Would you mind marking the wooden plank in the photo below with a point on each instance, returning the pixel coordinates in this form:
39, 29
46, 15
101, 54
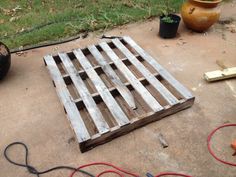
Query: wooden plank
71, 109
96, 96
167, 95
84, 50
220, 74
148, 98
123, 90
111, 103
97, 68
136, 123
165, 74
85, 95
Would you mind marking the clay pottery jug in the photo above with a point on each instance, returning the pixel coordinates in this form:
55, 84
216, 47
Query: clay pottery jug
5, 60
199, 15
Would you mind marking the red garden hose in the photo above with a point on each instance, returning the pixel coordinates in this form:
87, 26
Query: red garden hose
209, 146
107, 171
161, 174
170, 173
110, 171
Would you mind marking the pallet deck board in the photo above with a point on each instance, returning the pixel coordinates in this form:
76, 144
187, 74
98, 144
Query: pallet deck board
89, 102
111, 103
146, 73
73, 114
150, 100
165, 74
112, 79
124, 91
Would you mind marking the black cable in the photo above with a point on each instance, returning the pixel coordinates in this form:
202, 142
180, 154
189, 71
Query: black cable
110, 37
83, 35
32, 169
45, 45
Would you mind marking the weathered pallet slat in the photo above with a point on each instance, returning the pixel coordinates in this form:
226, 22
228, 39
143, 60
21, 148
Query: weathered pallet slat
146, 73
73, 114
106, 92
97, 68
89, 102
111, 103
96, 96
124, 91
165, 74
150, 100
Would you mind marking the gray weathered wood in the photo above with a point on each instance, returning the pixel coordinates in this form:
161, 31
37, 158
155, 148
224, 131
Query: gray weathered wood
96, 96
148, 98
136, 123
123, 90
85, 95
167, 95
87, 137
98, 69
111, 103
71, 109
165, 74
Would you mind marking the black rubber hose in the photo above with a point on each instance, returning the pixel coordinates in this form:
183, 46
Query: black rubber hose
45, 45
32, 169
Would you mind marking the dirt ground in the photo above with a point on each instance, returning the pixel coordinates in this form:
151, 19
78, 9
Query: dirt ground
30, 110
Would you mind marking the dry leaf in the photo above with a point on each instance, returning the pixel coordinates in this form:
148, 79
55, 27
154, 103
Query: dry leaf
12, 19
2, 21
11, 12
17, 8
51, 10
231, 28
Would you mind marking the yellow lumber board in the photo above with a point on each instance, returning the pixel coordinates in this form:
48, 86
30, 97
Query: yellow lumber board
220, 74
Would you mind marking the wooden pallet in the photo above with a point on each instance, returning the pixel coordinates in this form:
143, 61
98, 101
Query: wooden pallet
112, 88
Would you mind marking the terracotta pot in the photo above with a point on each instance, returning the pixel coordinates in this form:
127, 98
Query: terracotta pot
200, 15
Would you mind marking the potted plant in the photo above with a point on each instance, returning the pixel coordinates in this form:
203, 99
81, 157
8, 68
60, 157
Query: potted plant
169, 22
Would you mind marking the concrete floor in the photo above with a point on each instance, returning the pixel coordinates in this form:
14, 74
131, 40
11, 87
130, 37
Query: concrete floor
30, 110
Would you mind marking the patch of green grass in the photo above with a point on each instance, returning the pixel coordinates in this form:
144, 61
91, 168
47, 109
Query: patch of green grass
27, 22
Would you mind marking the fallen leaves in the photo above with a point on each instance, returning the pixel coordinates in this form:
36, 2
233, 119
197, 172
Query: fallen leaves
13, 19
11, 12
20, 53
231, 28
2, 21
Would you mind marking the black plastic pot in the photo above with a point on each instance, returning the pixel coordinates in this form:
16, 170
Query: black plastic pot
5, 60
169, 30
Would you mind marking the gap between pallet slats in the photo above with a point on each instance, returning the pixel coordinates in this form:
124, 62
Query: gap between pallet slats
136, 123
98, 69
149, 99
89, 102
96, 96
123, 90
109, 100
71, 109
169, 78
146, 73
